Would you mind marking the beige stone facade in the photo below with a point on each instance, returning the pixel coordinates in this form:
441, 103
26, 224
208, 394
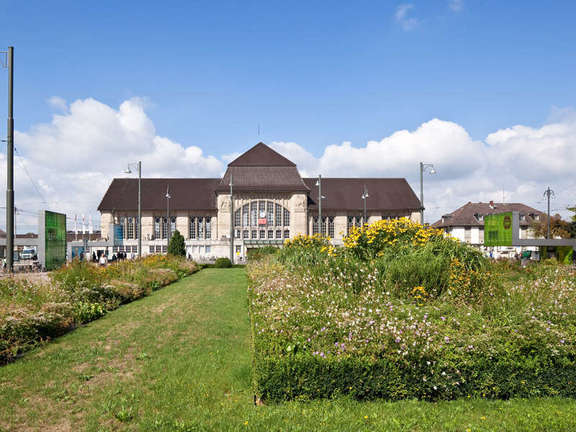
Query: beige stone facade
271, 203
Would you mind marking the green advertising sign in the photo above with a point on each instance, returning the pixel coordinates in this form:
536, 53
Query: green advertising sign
498, 229
55, 229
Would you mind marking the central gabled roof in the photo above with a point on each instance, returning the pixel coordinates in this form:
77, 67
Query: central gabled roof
262, 156
262, 169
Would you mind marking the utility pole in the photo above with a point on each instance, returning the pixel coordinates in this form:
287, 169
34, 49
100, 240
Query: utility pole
10, 166
320, 224
139, 209
365, 196
231, 222
548, 193
424, 167
168, 225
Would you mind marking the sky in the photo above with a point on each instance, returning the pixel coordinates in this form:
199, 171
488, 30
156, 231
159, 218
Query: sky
483, 89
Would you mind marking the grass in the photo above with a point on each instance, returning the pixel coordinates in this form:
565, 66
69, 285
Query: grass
179, 360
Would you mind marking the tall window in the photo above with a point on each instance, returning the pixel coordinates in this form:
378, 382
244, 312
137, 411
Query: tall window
270, 213
315, 225
237, 217
200, 227
192, 228
245, 215
172, 224
331, 226
157, 221
354, 221
278, 215
164, 227
286, 218
253, 213
208, 231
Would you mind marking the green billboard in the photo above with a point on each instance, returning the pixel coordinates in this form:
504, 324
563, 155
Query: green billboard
498, 229
55, 239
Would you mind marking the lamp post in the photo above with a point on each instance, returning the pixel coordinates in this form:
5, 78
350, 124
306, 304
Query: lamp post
10, 163
320, 198
231, 222
423, 168
365, 196
168, 224
139, 164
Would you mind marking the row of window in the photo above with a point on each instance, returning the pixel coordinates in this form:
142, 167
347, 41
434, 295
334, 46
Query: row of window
127, 248
262, 213
200, 227
161, 226
129, 226
326, 227
262, 234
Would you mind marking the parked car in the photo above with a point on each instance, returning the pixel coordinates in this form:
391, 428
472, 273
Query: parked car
28, 254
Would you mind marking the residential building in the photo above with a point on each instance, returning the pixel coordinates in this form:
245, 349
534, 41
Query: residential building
467, 224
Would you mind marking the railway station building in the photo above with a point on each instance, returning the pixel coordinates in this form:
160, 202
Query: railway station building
271, 202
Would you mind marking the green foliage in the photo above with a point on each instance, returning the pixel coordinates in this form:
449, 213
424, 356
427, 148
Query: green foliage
430, 319
177, 246
261, 252
196, 377
79, 292
223, 263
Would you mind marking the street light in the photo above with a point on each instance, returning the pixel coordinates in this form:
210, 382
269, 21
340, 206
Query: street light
320, 198
128, 171
423, 168
168, 224
364, 197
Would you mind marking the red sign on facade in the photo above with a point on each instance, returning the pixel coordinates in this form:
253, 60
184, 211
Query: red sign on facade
262, 221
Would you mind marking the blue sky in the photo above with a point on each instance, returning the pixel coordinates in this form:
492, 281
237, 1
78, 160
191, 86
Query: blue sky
312, 72
313, 75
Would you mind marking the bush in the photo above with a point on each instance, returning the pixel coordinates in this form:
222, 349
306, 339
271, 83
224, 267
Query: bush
79, 293
223, 263
420, 319
177, 245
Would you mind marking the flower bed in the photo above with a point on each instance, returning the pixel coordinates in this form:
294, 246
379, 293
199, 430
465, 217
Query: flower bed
78, 293
362, 322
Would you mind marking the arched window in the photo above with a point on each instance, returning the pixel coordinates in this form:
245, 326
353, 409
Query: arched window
261, 214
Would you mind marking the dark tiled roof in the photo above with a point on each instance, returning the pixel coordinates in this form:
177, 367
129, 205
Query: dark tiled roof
263, 178
384, 194
261, 155
466, 215
186, 194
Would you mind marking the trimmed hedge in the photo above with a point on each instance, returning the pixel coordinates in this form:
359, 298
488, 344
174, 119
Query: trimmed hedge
306, 377
334, 329
223, 263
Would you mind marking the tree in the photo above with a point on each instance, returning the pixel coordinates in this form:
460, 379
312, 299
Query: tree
573, 222
558, 227
177, 246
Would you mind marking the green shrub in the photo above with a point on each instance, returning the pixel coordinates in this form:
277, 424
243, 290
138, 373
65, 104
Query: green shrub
261, 252
432, 322
79, 292
223, 263
177, 246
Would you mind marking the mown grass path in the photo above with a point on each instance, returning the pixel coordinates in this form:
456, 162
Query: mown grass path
179, 361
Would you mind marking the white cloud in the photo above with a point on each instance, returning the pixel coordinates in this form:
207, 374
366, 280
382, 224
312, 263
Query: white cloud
456, 5
73, 158
408, 23
516, 163
58, 103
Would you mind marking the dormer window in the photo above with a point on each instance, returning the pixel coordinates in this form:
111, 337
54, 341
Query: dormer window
479, 217
522, 217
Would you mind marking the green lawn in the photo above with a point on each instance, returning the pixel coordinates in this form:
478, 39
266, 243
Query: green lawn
179, 361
